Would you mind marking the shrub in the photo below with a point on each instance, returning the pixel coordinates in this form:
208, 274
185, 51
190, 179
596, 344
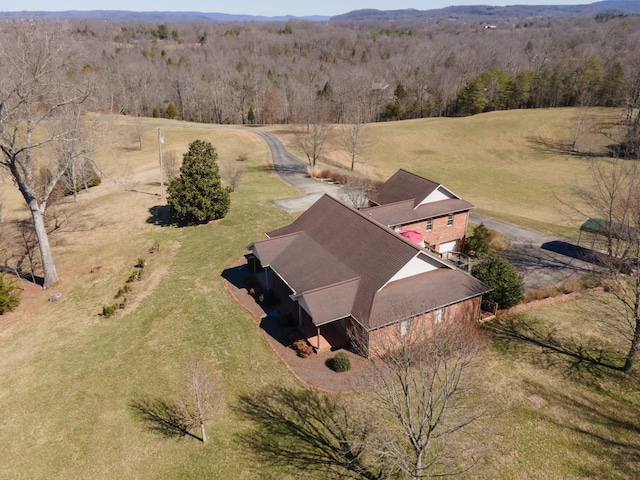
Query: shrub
341, 362
135, 275
507, 283
302, 348
9, 294
338, 177
108, 310
267, 298
140, 263
478, 243
313, 172
293, 335
122, 290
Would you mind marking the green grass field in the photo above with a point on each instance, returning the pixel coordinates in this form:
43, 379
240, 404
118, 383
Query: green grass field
68, 376
506, 163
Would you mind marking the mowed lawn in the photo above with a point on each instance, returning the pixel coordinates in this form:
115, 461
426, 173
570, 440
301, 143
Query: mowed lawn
68, 375
507, 163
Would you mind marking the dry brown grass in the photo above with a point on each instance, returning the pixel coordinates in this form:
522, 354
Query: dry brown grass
508, 163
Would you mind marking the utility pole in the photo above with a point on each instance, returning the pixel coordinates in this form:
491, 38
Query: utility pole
160, 142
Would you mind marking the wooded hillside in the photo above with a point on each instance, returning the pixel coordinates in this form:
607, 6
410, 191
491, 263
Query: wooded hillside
295, 72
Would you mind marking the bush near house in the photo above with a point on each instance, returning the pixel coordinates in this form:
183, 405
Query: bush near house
478, 243
507, 283
341, 362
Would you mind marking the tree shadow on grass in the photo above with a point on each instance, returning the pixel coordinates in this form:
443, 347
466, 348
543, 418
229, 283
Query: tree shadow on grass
161, 417
161, 215
579, 355
603, 419
308, 430
559, 148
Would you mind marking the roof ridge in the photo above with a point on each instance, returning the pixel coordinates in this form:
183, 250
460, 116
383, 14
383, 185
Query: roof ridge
376, 223
324, 287
410, 200
419, 176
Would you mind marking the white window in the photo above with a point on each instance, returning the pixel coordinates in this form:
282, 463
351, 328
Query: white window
439, 315
404, 327
429, 223
450, 220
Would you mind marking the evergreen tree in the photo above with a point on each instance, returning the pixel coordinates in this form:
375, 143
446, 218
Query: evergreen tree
197, 195
507, 283
171, 111
478, 243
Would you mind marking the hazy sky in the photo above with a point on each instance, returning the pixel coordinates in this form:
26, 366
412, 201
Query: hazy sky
258, 7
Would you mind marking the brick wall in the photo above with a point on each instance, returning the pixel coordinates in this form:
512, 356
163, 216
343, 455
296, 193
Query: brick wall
440, 231
384, 339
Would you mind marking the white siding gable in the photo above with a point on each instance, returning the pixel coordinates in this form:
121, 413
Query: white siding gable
419, 264
438, 194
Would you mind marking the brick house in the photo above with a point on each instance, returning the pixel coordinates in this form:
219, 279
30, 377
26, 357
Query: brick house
338, 268
409, 202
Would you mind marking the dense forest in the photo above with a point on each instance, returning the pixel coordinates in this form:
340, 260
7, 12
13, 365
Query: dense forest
296, 72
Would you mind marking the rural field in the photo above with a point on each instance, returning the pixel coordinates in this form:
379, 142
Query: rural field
68, 376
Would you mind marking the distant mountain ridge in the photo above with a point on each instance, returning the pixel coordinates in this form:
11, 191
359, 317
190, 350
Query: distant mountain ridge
472, 12
121, 15
488, 13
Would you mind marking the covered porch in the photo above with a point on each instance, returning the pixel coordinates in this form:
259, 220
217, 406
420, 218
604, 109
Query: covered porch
325, 338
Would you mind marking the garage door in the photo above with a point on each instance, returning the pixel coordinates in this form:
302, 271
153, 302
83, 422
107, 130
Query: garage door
448, 246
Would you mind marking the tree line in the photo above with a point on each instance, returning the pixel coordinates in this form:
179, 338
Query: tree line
239, 73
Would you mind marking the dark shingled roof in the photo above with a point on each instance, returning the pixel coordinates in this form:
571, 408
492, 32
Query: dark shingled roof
337, 260
404, 185
422, 293
404, 212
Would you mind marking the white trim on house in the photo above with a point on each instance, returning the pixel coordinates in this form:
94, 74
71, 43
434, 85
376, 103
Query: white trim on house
440, 193
417, 265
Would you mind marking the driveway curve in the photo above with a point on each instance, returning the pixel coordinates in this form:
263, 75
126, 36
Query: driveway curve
294, 171
543, 260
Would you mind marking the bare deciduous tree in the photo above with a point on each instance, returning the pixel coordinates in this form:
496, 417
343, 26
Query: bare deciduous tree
356, 191
200, 397
354, 135
423, 388
171, 165
137, 134
36, 87
614, 198
73, 151
232, 172
311, 139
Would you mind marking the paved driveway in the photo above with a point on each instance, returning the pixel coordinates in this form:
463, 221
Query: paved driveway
294, 171
543, 260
